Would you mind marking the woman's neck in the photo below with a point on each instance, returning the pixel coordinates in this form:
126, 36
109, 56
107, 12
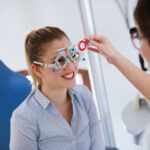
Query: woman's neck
57, 96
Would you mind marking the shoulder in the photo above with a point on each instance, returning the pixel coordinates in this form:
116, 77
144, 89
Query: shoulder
146, 134
26, 110
144, 141
80, 90
83, 95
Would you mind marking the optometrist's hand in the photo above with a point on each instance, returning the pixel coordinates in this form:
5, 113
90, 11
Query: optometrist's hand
103, 46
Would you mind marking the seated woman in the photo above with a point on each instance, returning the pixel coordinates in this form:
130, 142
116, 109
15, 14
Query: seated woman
57, 114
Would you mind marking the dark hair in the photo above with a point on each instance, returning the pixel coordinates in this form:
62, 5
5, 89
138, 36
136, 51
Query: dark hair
35, 44
142, 17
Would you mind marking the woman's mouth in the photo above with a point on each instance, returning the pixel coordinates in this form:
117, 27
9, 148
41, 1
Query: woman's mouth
69, 76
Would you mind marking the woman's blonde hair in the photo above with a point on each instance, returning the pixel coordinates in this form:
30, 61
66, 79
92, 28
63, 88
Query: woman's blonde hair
35, 49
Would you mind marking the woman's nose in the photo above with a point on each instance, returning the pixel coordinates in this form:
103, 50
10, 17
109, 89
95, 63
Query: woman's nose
69, 65
67, 53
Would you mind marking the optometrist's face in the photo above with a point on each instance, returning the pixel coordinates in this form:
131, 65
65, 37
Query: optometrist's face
145, 50
61, 78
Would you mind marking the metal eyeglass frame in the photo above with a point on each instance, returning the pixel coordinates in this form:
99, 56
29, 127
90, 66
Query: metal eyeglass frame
72, 51
135, 36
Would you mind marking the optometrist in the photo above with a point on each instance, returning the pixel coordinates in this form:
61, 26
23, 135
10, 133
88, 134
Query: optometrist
141, 40
136, 76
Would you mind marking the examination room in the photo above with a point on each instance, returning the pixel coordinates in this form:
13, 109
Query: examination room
74, 75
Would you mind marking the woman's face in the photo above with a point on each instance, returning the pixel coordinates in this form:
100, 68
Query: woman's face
61, 78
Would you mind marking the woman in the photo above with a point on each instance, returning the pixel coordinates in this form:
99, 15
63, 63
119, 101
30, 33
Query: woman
57, 114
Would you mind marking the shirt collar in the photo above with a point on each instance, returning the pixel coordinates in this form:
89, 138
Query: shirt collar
71, 91
44, 101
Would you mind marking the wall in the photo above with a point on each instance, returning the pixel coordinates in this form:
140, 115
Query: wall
19, 16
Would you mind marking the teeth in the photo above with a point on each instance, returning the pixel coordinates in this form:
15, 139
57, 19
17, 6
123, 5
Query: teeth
69, 75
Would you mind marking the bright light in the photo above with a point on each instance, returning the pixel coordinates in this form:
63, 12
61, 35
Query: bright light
79, 79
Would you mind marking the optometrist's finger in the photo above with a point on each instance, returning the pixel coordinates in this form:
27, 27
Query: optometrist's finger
93, 49
96, 38
95, 44
104, 46
99, 52
96, 50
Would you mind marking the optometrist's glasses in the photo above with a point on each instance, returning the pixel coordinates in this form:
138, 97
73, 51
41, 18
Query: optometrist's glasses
136, 39
137, 43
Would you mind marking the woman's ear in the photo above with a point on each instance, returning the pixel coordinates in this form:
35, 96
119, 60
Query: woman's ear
37, 70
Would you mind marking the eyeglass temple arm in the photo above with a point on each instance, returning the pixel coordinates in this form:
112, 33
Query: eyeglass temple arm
142, 63
44, 64
38, 63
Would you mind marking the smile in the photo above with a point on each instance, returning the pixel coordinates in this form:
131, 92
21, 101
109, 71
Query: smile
69, 75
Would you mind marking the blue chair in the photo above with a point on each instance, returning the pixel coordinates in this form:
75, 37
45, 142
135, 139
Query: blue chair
14, 88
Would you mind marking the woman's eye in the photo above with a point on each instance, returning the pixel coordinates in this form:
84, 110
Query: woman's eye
60, 60
74, 55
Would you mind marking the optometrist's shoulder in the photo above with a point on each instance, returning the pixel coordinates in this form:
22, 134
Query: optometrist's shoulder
144, 141
135, 75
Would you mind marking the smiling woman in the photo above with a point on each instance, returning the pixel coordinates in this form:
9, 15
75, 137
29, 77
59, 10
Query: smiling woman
57, 113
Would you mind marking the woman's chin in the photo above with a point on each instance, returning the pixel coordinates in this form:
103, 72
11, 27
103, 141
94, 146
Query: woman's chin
71, 85
69, 82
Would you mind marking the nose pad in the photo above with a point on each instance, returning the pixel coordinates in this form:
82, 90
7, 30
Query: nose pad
69, 65
67, 52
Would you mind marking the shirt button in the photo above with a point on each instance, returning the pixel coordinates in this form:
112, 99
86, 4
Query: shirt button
73, 142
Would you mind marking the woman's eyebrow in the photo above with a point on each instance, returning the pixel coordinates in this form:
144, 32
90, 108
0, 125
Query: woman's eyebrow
53, 58
61, 49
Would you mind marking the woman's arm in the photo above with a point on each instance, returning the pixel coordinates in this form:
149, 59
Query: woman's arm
136, 76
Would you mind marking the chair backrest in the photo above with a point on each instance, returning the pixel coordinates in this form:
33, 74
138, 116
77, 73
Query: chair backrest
14, 88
